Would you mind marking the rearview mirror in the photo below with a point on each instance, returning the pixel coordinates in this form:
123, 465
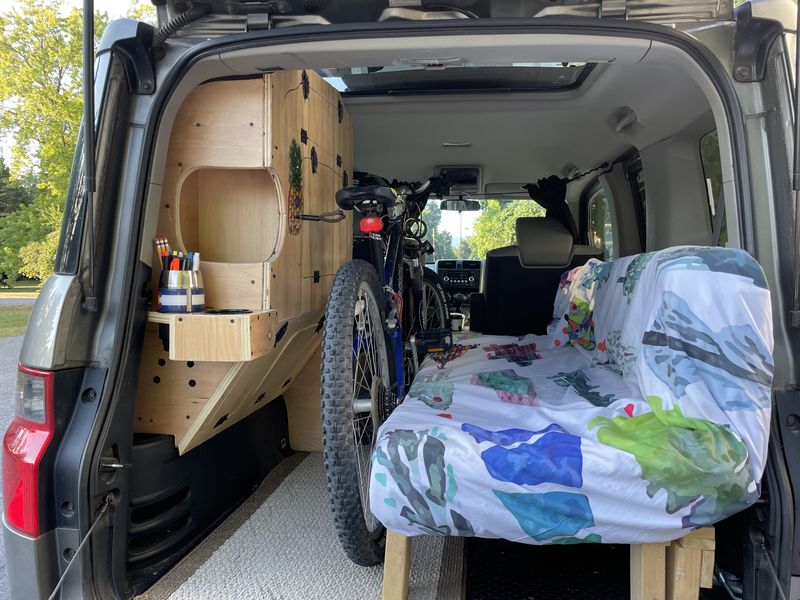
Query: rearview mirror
460, 205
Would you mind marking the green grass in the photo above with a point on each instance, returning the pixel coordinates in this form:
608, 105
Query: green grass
14, 319
26, 288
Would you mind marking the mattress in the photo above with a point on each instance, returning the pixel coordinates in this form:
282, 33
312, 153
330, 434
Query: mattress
643, 413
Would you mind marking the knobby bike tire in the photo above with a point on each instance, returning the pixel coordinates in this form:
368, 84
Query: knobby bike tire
356, 280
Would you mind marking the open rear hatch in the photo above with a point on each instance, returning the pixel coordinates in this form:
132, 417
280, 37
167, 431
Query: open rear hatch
276, 13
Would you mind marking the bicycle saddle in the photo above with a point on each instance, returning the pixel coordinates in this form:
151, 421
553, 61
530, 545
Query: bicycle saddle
353, 196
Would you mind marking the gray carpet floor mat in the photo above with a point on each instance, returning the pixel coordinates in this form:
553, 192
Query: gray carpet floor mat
286, 548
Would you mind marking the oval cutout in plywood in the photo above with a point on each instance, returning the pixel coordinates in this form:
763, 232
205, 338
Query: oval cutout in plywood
230, 215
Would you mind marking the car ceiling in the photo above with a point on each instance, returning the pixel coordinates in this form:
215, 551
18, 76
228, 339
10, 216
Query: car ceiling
520, 137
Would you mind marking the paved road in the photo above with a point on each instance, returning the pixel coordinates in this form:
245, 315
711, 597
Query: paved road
9, 356
10, 301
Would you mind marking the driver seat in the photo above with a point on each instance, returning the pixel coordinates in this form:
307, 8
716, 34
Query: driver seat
519, 282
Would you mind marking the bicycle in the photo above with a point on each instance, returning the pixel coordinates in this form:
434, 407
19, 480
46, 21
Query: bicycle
378, 303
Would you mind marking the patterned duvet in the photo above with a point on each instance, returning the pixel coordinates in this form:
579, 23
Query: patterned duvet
643, 413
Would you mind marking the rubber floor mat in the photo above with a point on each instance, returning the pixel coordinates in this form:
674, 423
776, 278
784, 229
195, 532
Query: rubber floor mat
501, 570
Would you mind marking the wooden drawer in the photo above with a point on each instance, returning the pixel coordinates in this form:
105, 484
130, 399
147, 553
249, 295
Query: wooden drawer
226, 338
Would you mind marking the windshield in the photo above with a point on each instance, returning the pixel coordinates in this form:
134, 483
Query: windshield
470, 234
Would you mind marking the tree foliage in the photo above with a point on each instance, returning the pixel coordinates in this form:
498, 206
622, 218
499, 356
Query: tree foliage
441, 239
40, 112
496, 226
12, 193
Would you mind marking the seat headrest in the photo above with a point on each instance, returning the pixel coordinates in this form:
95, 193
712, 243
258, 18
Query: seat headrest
543, 242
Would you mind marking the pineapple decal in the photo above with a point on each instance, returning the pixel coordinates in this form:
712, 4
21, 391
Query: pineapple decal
295, 188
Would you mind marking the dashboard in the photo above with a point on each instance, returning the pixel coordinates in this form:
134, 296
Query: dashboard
459, 277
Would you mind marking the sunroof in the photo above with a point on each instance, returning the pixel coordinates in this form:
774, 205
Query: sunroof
435, 78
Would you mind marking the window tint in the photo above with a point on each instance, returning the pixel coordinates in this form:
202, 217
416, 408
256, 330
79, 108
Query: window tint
636, 177
639, 182
600, 232
710, 158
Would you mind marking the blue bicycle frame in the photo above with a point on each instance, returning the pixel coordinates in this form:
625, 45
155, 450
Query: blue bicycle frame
385, 252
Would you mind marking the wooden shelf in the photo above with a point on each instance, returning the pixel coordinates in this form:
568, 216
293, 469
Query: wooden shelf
218, 338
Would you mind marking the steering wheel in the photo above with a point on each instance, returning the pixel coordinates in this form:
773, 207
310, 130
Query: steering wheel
415, 228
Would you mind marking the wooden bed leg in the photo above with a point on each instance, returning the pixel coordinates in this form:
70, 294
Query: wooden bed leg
690, 564
648, 571
396, 566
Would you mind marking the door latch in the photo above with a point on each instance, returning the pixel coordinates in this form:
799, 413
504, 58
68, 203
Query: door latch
110, 464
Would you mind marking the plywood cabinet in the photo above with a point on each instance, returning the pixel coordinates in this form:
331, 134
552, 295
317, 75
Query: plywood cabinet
228, 194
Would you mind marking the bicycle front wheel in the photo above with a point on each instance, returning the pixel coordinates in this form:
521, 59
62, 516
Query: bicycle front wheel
433, 312
356, 398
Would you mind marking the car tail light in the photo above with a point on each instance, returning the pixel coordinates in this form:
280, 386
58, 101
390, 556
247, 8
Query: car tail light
24, 444
370, 224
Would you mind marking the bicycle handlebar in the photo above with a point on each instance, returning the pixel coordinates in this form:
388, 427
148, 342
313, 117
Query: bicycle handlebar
422, 188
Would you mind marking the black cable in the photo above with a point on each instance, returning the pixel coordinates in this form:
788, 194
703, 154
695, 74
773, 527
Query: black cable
159, 43
107, 501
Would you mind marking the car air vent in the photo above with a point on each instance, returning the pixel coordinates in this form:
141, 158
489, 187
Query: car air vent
471, 264
446, 264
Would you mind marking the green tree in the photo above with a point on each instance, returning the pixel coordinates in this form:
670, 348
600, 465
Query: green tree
496, 226
143, 10
40, 110
12, 193
441, 239
443, 244
465, 250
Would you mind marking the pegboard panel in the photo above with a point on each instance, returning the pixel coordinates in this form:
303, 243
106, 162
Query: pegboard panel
171, 394
254, 384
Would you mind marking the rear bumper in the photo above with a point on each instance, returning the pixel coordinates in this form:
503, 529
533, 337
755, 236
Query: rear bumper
30, 564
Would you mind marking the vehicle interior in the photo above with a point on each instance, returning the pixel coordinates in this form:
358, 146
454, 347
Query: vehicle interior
634, 125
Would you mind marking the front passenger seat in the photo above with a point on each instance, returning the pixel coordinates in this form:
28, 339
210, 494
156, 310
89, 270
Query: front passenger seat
519, 282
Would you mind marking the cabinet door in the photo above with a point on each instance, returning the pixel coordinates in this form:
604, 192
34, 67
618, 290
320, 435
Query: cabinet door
325, 120
284, 110
221, 124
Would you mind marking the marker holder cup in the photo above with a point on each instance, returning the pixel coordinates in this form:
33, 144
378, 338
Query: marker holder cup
181, 292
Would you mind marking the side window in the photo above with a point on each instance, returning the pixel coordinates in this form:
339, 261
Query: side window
712, 171
599, 221
636, 178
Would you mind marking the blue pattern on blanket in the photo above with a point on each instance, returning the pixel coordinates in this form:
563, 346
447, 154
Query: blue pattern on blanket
555, 457
716, 260
549, 515
732, 362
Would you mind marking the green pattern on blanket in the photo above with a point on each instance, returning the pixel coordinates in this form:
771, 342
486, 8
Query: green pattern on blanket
409, 454
579, 382
633, 273
508, 386
434, 389
621, 358
693, 460
580, 327
592, 538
